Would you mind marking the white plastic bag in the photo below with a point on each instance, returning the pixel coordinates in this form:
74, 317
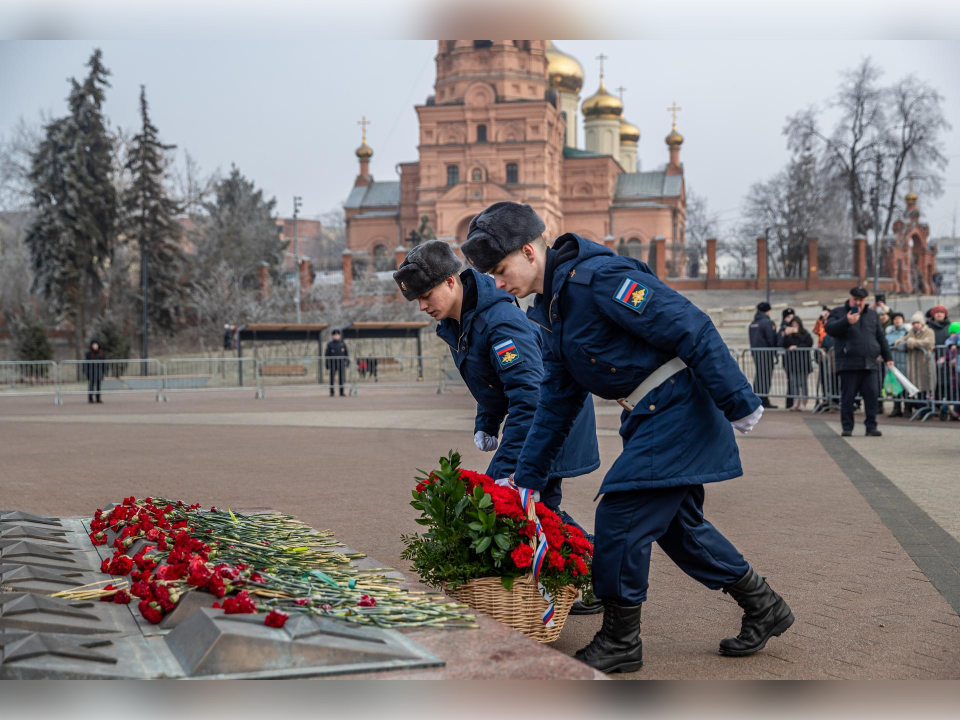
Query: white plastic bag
908, 387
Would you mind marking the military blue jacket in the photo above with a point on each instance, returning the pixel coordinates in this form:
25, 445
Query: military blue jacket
499, 355
609, 323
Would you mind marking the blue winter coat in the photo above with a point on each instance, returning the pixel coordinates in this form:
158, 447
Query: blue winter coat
499, 355
610, 323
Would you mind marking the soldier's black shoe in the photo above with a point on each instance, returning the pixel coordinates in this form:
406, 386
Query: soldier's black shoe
874, 433
587, 604
617, 647
846, 433
765, 615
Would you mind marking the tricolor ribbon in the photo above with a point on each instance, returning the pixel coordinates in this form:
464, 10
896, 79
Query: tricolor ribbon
539, 554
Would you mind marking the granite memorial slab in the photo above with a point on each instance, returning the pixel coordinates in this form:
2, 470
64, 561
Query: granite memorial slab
27, 578
38, 613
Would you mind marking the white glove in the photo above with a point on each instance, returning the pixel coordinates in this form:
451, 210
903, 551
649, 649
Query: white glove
508, 483
748, 423
484, 442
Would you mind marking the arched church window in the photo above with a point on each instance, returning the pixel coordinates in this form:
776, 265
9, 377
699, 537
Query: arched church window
479, 44
481, 133
512, 174
477, 175
453, 175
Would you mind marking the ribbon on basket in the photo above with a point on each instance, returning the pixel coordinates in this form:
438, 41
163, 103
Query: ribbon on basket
540, 547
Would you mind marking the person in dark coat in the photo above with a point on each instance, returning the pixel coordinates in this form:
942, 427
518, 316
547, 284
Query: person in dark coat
616, 331
798, 343
763, 334
337, 359
94, 369
860, 342
499, 354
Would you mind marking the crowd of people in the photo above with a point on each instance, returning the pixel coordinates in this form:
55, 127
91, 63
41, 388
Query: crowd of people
860, 341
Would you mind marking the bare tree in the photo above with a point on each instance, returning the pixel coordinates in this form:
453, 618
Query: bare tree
191, 186
882, 134
859, 134
701, 225
742, 249
16, 160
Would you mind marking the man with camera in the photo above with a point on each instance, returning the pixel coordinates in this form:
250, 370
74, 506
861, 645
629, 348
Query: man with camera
860, 340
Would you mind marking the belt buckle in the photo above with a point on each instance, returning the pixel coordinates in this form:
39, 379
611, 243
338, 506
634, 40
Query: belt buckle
625, 404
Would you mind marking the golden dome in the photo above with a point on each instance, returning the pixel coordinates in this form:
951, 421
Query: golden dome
911, 198
674, 138
629, 133
564, 72
602, 104
364, 152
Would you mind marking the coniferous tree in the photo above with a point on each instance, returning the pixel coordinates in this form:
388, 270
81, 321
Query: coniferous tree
73, 234
150, 224
240, 230
30, 337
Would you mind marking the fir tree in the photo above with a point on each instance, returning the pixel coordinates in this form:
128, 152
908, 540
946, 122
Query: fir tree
30, 337
72, 237
149, 222
239, 230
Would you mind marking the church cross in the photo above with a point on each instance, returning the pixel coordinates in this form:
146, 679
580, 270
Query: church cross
363, 122
601, 57
620, 90
674, 110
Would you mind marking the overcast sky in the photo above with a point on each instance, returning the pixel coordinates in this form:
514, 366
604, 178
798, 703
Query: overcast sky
285, 111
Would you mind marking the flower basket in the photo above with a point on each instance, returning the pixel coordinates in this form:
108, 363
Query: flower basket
520, 607
493, 549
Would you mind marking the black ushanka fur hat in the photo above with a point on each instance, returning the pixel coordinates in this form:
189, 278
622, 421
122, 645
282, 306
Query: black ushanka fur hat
425, 267
498, 231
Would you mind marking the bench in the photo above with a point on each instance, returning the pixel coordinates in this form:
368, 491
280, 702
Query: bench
283, 370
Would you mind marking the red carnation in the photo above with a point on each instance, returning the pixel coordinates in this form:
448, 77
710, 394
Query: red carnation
240, 604
555, 560
522, 555
122, 597
105, 565
301, 601
367, 601
577, 565
120, 565
276, 619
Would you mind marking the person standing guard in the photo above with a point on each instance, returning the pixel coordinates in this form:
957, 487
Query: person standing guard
763, 334
617, 331
499, 355
860, 341
337, 359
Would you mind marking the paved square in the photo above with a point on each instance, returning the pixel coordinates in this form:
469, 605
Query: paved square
864, 606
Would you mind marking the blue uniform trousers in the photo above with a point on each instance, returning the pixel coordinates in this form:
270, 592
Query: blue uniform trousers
629, 522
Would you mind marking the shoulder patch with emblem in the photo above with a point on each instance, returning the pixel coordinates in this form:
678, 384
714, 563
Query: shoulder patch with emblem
633, 294
507, 353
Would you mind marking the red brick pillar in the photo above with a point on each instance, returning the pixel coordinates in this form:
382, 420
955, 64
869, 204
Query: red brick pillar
263, 281
306, 278
761, 262
813, 273
660, 249
400, 253
860, 258
347, 274
711, 261
610, 242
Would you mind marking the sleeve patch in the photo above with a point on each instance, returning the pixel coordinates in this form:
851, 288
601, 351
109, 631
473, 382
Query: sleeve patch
633, 294
507, 353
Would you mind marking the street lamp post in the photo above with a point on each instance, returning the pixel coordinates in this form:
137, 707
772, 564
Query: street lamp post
297, 200
875, 206
766, 260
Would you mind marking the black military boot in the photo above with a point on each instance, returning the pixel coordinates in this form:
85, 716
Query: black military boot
587, 604
617, 647
765, 615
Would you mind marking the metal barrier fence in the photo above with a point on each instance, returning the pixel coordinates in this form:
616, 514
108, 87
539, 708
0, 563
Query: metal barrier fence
291, 371
94, 378
396, 371
807, 375
211, 374
947, 380
18, 378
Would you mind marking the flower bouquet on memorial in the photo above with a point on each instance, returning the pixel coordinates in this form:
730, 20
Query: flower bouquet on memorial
261, 563
523, 568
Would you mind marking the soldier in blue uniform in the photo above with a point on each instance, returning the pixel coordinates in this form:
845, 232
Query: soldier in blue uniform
617, 331
499, 355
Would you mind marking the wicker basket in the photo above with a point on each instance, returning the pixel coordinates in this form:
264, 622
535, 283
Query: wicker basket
520, 608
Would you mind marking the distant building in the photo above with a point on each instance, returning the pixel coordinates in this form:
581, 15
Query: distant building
910, 259
948, 264
501, 125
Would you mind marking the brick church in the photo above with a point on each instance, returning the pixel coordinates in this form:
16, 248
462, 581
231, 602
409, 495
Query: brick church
502, 125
